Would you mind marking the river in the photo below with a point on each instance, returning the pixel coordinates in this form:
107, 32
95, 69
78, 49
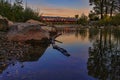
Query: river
94, 55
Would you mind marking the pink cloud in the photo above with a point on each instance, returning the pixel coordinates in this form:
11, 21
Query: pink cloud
66, 12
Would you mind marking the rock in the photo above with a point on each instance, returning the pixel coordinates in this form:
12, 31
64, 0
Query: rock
51, 30
3, 24
10, 23
26, 31
35, 22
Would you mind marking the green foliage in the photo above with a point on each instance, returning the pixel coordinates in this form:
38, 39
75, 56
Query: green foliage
83, 20
116, 19
30, 14
16, 12
105, 7
105, 21
93, 17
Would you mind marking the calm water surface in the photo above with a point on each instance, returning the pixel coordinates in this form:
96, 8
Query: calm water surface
94, 55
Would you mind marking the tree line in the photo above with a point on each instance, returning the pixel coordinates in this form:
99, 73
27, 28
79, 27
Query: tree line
104, 12
105, 7
16, 12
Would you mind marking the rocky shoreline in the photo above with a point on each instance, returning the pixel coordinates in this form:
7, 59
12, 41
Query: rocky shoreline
29, 30
11, 51
21, 41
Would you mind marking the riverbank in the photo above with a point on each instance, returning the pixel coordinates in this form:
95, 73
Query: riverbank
29, 30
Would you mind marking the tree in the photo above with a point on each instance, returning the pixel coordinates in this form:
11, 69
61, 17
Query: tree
18, 2
30, 14
76, 16
105, 7
92, 16
83, 19
15, 12
98, 6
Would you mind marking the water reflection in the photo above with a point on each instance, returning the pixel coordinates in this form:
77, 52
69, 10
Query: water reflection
93, 34
29, 51
62, 50
103, 62
81, 32
12, 52
104, 55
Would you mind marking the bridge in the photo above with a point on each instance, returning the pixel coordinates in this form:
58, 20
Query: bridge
59, 19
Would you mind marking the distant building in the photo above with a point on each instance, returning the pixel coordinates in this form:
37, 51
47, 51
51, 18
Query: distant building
58, 19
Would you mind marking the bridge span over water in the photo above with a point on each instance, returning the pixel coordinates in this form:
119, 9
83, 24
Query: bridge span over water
59, 19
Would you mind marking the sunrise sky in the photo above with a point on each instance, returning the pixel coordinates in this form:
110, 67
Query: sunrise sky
67, 8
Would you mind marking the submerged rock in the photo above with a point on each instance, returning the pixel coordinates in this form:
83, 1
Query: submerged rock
27, 31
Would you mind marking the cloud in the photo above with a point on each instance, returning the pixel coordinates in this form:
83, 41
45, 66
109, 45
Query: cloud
60, 8
66, 12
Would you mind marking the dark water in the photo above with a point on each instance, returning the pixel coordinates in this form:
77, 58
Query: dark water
94, 55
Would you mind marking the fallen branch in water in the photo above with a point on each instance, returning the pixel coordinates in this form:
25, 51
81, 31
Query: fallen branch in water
63, 51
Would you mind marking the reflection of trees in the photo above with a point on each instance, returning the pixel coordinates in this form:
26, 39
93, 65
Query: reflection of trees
66, 30
104, 56
82, 33
11, 52
93, 33
116, 34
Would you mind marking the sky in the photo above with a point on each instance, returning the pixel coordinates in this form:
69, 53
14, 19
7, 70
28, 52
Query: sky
66, 8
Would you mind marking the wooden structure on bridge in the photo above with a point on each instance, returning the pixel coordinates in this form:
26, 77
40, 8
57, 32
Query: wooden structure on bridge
50, 19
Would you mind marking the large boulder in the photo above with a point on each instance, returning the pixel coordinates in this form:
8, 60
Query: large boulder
50, 28
27, 31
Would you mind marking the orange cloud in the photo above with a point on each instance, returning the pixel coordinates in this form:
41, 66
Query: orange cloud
65, 12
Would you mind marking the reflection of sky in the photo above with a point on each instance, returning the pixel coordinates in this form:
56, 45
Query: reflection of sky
70, 39
55, 66
60, 7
